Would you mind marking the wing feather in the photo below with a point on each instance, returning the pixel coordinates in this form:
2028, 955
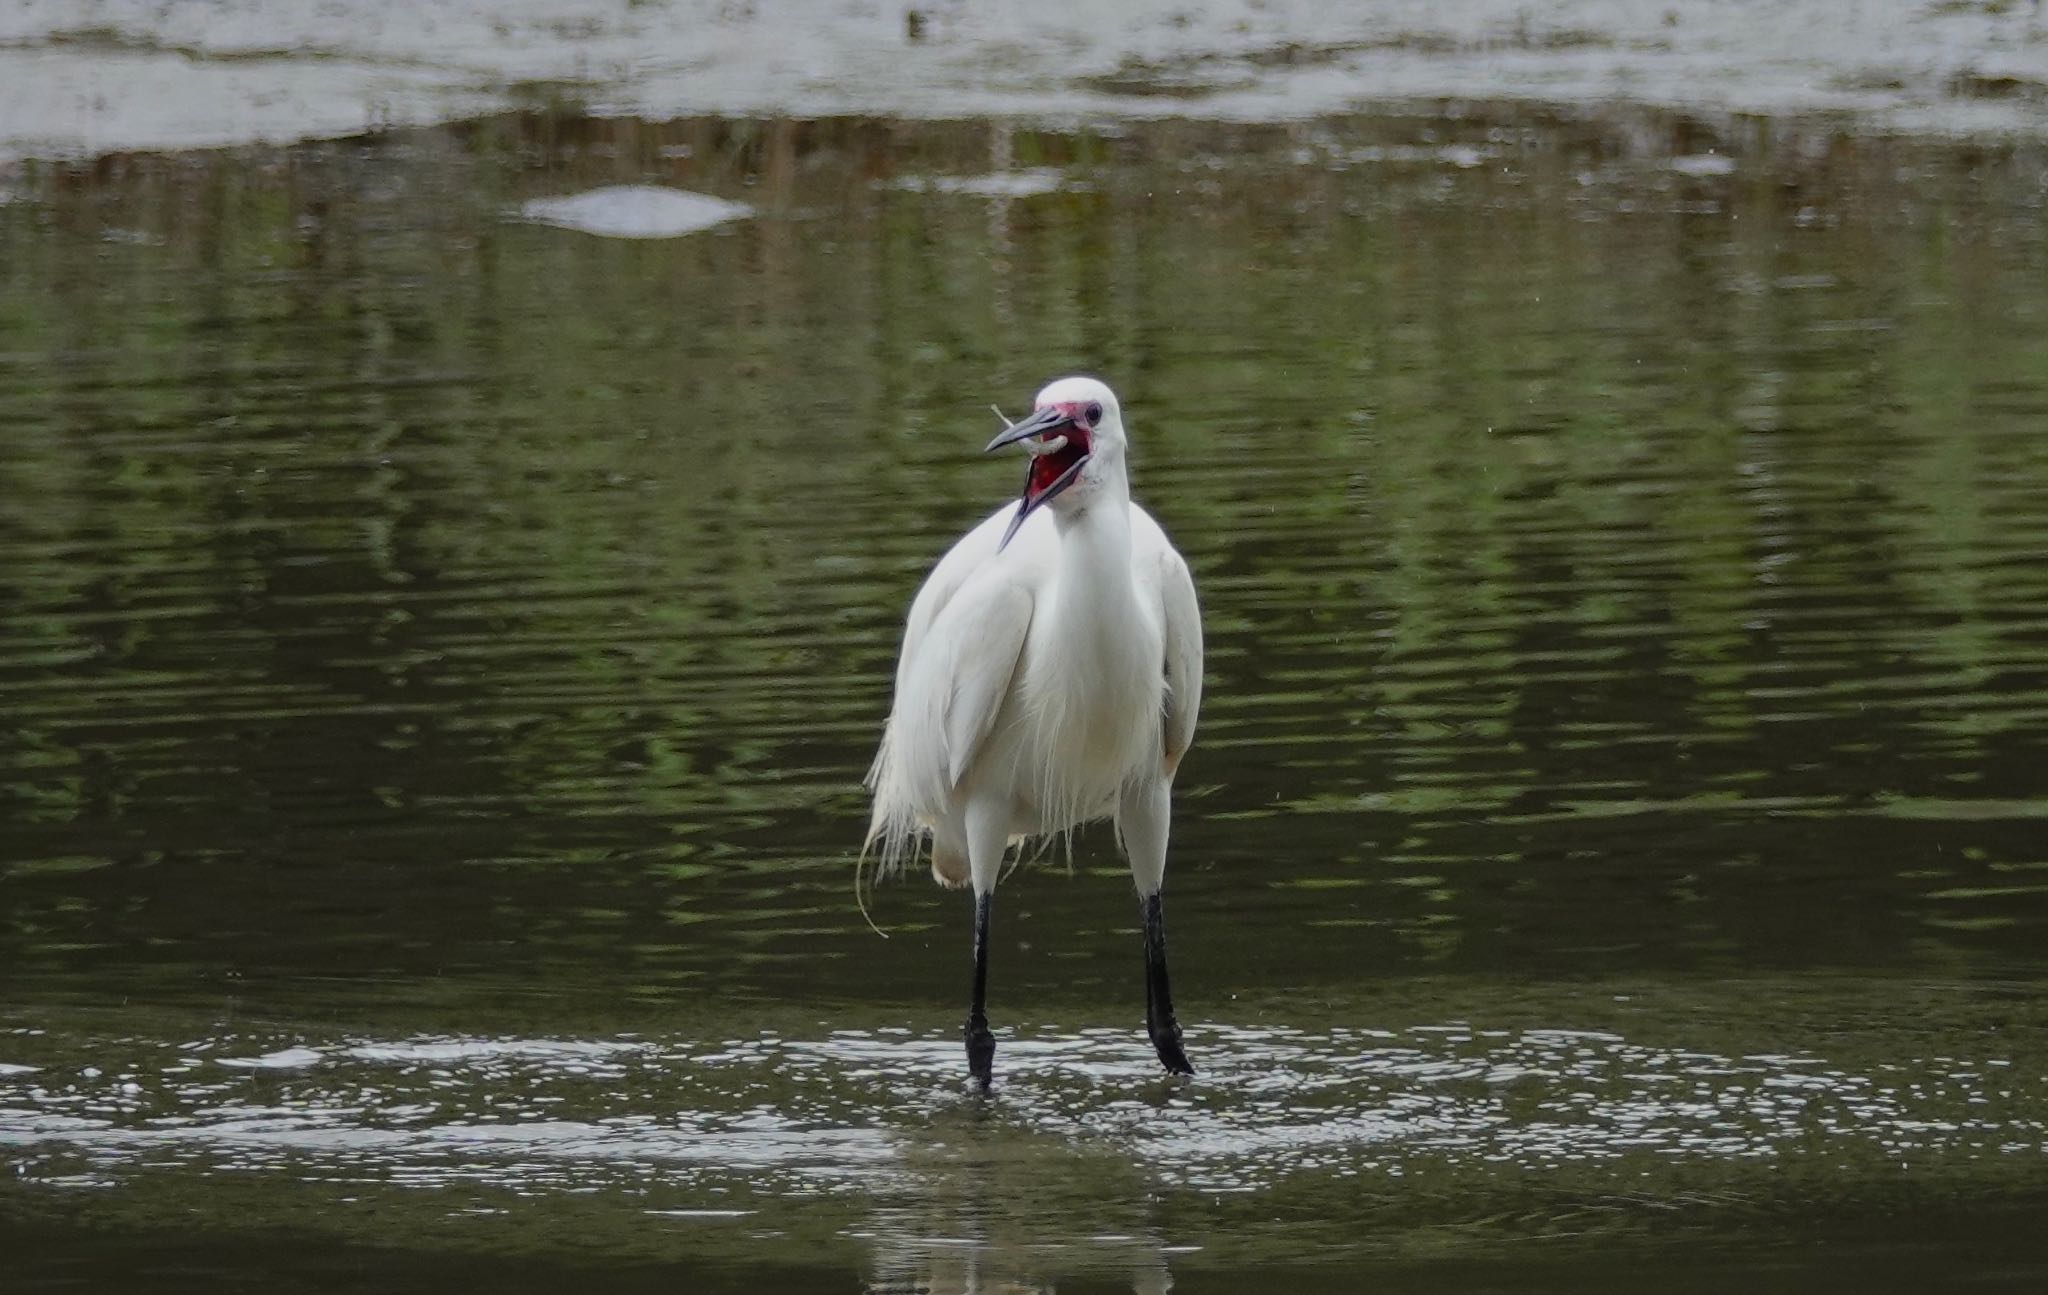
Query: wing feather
961, 645
969, 554
983, 638
1183, 657
1181, 630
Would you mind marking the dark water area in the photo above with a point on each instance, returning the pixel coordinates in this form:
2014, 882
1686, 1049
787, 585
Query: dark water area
439, 653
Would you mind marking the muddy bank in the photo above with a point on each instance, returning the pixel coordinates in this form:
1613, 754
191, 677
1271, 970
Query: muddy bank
91, 78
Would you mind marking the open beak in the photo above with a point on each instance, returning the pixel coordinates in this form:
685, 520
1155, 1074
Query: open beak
1040, 422
1059, 448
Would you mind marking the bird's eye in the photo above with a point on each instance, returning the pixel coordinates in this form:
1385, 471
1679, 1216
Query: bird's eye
1094, 412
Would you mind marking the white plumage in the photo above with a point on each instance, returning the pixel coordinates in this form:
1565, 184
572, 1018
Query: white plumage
1051, 674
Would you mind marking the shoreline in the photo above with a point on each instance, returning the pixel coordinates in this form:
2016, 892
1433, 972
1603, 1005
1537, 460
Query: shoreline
123, 76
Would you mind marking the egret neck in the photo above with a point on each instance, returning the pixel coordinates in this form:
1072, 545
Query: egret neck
1099, 652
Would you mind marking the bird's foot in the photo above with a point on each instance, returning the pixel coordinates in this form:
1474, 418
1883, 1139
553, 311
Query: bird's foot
981, 1052
1166, 1042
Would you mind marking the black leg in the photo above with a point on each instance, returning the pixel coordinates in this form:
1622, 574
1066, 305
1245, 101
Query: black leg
981, 1045
1159, 1022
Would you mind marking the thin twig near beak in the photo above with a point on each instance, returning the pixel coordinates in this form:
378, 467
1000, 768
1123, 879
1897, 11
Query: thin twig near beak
1033, 448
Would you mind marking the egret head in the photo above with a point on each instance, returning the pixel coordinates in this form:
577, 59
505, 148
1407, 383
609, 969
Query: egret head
1075, 436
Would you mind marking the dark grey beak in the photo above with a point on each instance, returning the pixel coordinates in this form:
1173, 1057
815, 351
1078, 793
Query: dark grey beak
1040, 422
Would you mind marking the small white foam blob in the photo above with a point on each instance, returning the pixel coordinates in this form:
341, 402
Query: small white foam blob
1701, 165
1001, 184
283, 1059
635, 211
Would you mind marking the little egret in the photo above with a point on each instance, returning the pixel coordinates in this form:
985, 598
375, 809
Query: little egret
1050, 676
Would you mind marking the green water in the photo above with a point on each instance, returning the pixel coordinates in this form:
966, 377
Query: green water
438, 655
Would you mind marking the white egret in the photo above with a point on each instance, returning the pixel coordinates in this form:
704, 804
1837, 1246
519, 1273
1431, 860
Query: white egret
1050, 676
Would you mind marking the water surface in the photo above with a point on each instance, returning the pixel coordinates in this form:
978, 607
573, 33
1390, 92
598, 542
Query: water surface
438, 654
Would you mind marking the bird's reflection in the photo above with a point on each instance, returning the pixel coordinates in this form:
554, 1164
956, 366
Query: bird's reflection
960, 1266
1005, 1207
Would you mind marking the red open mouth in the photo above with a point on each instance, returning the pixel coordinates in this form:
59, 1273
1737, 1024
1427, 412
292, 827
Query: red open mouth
1047, 469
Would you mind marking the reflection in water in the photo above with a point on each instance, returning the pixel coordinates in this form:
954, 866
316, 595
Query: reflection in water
447, 583
438, 654
964, 1266
998, 1201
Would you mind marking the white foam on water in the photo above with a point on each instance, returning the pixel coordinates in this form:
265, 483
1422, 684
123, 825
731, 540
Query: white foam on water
635, 211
